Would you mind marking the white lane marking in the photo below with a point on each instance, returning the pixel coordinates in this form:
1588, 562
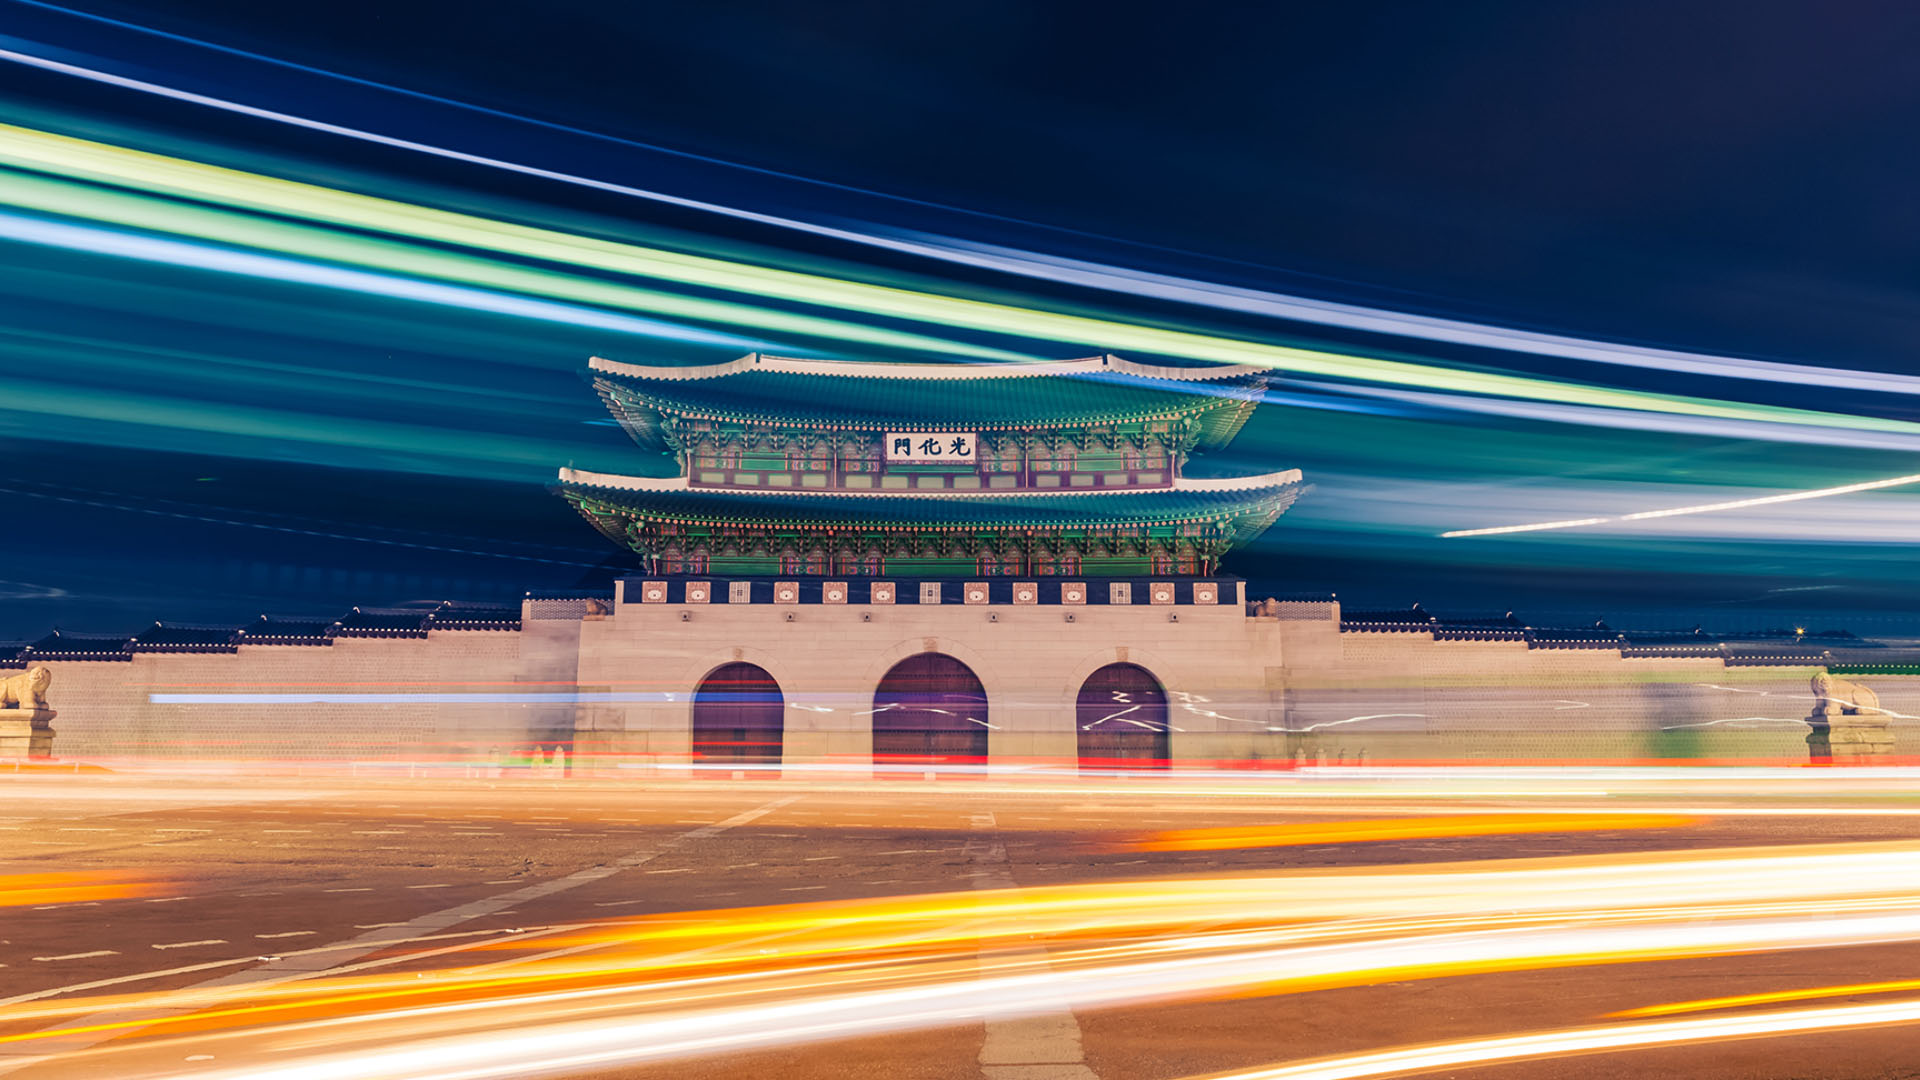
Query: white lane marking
362, 888
621, 903
504, 881
183, 830
77, 955
337, 957
376, 925
740, 866
376, 832
192, 944
443, 886
75, 828
684, 870
1020, 1047
289, 933
910, 851
168, 899
804, 888
282, 832
819, 858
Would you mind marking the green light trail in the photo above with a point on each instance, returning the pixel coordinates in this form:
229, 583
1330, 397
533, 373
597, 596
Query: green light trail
66, 157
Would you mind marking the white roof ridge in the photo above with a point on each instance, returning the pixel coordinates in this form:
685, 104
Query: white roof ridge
1237, 483
868, 369
622, 482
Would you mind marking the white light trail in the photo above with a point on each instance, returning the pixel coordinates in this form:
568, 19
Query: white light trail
1589, 1040
1030, 264
1703, 508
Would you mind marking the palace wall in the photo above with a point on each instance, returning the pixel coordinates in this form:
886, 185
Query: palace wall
829, 659
377, 698
1290, 685
617, 682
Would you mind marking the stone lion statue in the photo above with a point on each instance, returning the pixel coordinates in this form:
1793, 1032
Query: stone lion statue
27, 690
1838, 697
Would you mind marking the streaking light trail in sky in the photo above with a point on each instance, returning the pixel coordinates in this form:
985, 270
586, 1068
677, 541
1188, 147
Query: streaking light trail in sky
1704, 508
78, 159
1030, 264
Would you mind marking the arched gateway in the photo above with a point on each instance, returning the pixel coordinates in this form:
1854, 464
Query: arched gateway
739, 717
1121, 719
929, 709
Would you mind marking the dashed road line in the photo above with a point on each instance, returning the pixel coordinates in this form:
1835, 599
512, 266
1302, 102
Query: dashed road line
191, 944
77, 955
98, 1027
289, 933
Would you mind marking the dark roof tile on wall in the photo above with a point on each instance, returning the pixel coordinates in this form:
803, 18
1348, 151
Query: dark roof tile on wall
185, 637
60, 645
288, 630
384, 622
455, 616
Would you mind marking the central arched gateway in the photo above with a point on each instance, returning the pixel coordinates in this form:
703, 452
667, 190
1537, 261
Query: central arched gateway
929, 709
739, 717
1121, 719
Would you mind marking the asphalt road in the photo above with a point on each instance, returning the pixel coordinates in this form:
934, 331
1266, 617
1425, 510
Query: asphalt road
271, 879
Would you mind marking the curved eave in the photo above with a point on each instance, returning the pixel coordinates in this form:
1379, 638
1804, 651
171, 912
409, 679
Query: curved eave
856, 369
1247, 505
646, 412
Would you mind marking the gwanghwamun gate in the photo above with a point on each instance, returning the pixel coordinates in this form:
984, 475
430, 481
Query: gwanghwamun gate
939, 565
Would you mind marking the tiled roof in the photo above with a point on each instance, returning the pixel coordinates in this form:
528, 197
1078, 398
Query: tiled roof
60, 645
1249, 508
288, 630
1394, 619
872, 397
454, 616
384, 622
184, 637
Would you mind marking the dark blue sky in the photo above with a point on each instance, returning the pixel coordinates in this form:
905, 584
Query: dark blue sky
1728, 179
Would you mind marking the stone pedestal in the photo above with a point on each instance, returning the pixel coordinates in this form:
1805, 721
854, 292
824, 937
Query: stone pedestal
1848, 723
26, 734
1841, 742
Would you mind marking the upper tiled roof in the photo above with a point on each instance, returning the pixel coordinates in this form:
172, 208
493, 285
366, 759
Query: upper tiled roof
832, 395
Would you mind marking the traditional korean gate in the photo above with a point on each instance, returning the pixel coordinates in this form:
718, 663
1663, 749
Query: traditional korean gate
739, 717
1122, 719
930, 709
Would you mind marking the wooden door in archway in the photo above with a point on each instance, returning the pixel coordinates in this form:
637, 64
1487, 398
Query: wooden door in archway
1121, 719
930, 709
739, 717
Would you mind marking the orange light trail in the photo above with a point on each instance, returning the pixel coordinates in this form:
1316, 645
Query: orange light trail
1770, 998
1404, 828
22, 890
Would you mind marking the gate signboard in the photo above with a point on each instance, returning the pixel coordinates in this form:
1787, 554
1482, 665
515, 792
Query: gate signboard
931, 448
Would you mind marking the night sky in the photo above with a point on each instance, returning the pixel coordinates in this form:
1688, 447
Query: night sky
195, 442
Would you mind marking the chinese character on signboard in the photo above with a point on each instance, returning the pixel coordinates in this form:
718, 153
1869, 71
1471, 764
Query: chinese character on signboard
930, 447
